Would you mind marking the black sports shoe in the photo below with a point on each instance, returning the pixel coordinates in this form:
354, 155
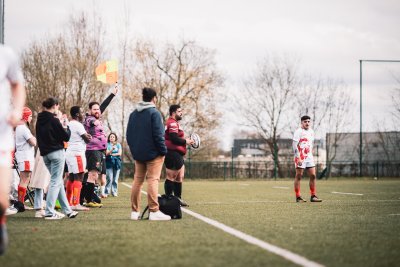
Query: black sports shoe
300, 199
314, 198
3, 238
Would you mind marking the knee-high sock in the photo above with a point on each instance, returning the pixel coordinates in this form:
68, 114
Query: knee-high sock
90, 192
297, 190
312, 190
83, 193
21, 194
76, 192
178, 189
68, 191
168, 187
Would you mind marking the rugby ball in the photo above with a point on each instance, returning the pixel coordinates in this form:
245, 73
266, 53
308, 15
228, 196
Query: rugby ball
196, 138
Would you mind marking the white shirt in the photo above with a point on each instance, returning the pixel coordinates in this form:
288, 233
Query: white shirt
305, 145
10, 71
76, 142
24, 150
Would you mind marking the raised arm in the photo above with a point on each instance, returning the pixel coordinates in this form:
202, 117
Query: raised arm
107, 101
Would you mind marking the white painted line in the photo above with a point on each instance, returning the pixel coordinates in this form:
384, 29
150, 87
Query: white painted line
244, 184
394, 214
280, 187
342, 193
290, 256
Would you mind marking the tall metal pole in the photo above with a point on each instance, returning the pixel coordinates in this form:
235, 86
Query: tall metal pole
1, 21
360, 163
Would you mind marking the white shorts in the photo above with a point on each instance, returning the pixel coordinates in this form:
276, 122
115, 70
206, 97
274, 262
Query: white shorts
26, 165
5, 159
76, 162
305, 164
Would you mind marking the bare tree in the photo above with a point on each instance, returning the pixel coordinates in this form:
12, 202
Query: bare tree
314, 99
184, 74
265, 99
63, 66
337, 118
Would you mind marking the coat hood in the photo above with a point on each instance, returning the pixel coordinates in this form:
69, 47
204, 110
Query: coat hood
144, 105
44, 118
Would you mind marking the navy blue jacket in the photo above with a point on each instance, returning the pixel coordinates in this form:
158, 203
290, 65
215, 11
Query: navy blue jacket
145, 133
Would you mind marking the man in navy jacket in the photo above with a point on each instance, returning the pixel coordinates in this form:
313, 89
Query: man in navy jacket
145, 137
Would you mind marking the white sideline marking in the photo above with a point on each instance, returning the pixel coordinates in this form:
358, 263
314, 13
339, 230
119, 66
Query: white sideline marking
280, 187
244, 184
290, 256
342, 193
394, 214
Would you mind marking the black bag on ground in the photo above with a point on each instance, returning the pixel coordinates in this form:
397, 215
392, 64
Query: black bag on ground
169, 205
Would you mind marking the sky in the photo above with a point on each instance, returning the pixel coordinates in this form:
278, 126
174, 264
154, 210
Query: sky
329, 37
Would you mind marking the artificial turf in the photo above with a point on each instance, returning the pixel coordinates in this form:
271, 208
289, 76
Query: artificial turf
343, 230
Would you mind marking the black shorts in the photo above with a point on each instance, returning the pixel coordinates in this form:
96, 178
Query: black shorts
95, 160
173, 160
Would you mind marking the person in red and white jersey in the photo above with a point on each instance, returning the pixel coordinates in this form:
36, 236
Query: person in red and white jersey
176, 145
12, 100
303, 139
25, 144
75, 158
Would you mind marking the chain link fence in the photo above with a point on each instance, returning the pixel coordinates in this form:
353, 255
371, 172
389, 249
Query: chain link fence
268, 170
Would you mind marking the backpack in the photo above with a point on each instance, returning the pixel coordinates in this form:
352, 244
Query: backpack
169, 205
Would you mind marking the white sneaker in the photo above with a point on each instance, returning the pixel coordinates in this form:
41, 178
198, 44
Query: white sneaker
135, 215
62, 215
11, 210
159, 216
55, 216
79, 208
39, 214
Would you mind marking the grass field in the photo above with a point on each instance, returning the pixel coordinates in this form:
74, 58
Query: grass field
343, 230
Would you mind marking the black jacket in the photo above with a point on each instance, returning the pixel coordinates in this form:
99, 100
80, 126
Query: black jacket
145, 133
50, 134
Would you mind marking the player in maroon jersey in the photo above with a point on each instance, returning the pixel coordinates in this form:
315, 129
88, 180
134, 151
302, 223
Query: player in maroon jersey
176, 144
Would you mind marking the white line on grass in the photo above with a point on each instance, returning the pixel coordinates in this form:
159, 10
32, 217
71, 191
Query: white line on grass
394, 214
342, 193
295, 258
280, 187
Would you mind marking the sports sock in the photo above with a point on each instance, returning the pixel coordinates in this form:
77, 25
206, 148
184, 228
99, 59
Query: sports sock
68, 191
312, 190
178, 189
83, 193
168, 187
102, 189
21, 194
297, 191
76, 192
90, 192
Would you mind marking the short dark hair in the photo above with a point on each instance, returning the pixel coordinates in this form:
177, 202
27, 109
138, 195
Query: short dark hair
108, 138
305, 117
49, 102
173, 108
148, 94
91, 104
74, 111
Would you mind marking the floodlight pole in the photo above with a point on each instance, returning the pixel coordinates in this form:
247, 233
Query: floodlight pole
1, 21
361, 61
360, 163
